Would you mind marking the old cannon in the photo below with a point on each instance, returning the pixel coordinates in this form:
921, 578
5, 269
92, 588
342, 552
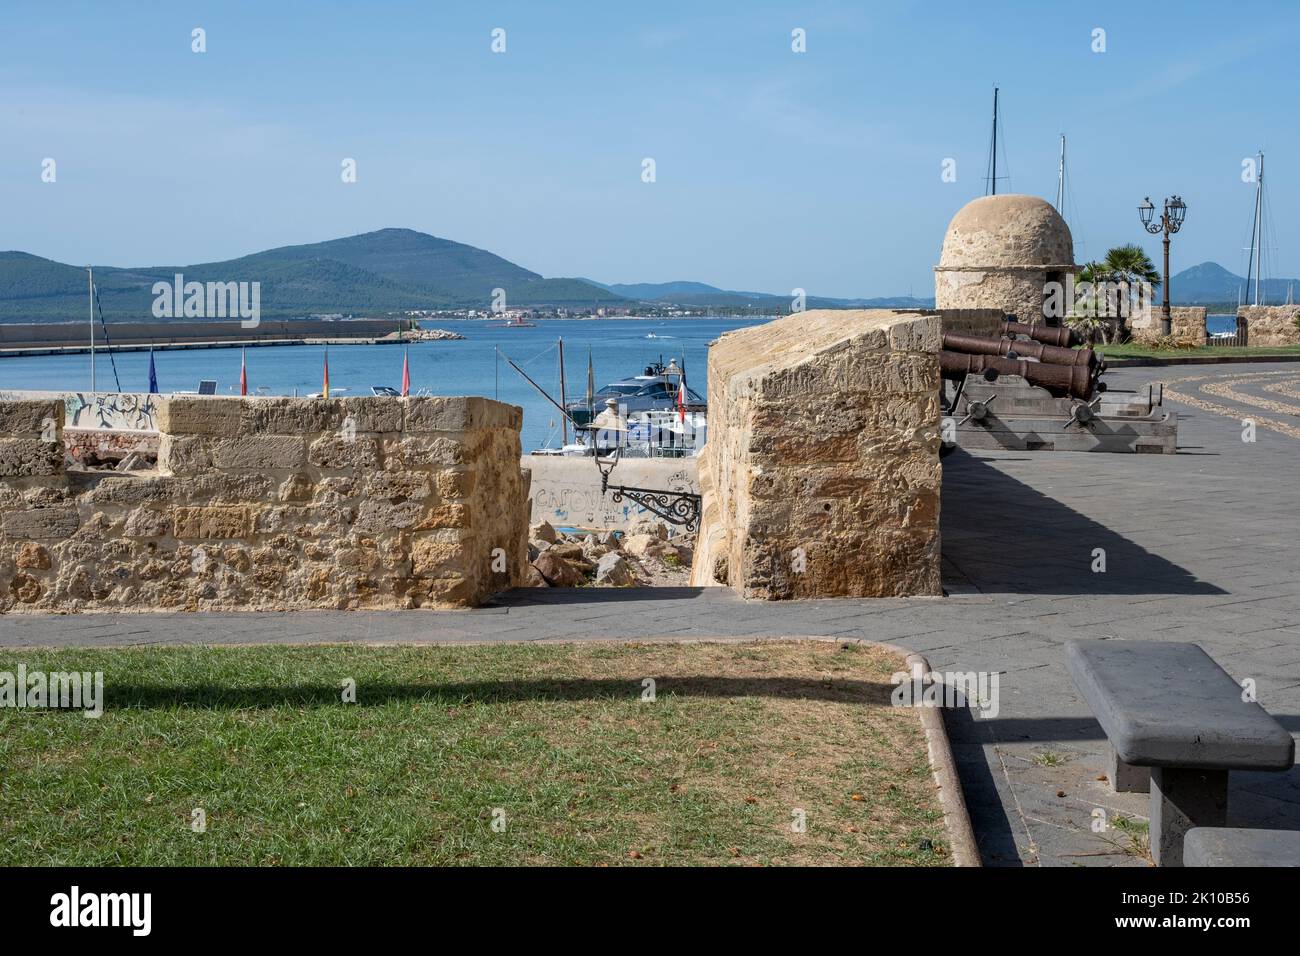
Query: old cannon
1060, 336
1063, 381
1020, 349
1030, 389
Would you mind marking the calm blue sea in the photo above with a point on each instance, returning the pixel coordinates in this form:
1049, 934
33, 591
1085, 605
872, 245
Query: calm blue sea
619, 348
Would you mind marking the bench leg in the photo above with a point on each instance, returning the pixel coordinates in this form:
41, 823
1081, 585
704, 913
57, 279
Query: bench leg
1182, 799
1126, 778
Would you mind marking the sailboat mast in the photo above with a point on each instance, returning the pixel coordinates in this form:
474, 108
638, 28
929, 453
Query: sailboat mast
993, 180
1060, 181
1259, 224
564, 402
90, 279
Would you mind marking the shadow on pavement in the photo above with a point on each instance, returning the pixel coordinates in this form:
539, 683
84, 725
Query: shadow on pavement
523, 597
1002, 536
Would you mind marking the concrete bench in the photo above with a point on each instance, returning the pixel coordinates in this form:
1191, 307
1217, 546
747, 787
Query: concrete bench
1227, 846
1168, 707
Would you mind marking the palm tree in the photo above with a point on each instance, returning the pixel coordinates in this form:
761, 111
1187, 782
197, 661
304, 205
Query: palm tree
1126, 266
1129, 263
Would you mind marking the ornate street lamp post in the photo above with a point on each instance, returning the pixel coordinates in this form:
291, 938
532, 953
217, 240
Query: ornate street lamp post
1171, 220
608, 438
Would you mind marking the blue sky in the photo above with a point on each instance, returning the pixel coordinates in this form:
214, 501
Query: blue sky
774, 170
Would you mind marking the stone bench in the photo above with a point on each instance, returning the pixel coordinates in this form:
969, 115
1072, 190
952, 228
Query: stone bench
1170, 708
1227, 846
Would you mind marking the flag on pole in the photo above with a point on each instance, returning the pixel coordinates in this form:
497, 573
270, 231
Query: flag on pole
406, 373
325, 392
681, 397
153, 374
243, 372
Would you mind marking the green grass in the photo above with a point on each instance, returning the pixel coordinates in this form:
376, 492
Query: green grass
1133, 350
557, 736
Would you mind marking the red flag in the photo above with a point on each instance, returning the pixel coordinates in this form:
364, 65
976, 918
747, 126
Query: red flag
326, 392
406, 374
681, 399
243, 373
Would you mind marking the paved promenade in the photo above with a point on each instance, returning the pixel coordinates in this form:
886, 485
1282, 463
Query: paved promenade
1203, 546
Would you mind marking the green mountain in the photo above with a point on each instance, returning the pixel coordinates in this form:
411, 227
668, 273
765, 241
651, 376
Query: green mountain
385, 271
1211, 284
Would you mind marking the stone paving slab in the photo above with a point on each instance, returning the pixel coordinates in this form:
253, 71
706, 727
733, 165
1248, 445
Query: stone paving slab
1200, 547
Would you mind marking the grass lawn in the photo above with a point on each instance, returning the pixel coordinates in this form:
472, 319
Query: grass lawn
1134, 350
557, 737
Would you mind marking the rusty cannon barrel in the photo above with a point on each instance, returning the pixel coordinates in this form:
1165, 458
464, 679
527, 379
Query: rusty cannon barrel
1062, 337
1023, 348
1074, 381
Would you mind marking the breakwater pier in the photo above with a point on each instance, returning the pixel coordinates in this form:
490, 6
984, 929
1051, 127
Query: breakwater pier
70, 338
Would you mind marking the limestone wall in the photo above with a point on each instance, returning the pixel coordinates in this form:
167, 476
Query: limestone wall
1271, 324
269, 503
1187, 324
821, 473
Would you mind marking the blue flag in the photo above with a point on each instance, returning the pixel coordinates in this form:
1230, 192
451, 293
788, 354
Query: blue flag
153, 374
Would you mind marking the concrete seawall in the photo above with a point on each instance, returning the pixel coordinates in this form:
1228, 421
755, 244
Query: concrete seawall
62, 338
566, 491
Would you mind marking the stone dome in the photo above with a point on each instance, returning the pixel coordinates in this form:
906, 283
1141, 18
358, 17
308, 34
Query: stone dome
1009, 230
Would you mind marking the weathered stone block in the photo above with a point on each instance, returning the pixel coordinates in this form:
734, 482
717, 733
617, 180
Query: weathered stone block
332, 451
147, 523
821, 477
131, 489
377, 517
222, 521
366, 413
31, 419
431, 557
454, 484
183, 454
397, 485
23, 457
425, 452
460, 414
31, 555
42, 523
257, 452
296, 488
199, 415
289, 416
216, 487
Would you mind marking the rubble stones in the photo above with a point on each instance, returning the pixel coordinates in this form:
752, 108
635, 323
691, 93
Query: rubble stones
614, 571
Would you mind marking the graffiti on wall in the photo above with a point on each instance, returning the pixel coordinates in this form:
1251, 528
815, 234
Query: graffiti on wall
125, 411
109, 410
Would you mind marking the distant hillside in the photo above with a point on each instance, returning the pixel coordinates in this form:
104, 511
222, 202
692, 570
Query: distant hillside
1211, 284
701, 295
390, 270
384, 271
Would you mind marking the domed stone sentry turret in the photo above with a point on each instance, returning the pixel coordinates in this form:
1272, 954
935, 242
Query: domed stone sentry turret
1000, 252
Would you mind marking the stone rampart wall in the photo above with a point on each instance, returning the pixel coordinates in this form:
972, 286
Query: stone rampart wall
269, 503
821, 474
1271, 324
1187, 324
